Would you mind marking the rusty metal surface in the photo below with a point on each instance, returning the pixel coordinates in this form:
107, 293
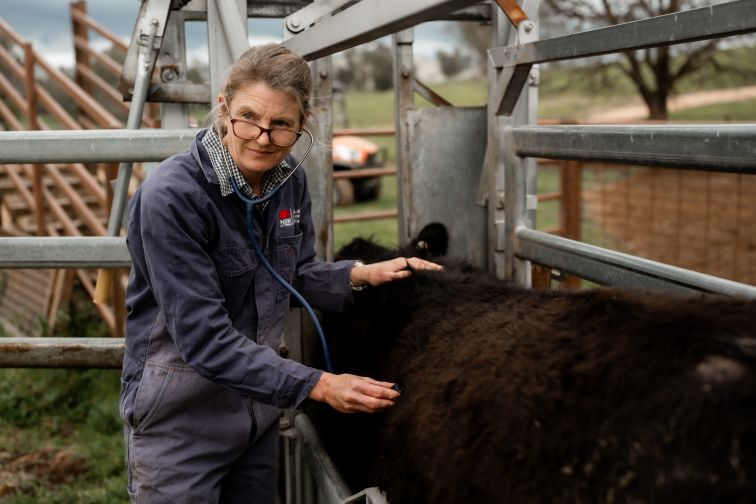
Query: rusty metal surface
513, 11
25, 352
364, 173
363, 216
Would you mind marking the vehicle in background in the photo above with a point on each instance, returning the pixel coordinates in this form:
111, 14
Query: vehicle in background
355, 153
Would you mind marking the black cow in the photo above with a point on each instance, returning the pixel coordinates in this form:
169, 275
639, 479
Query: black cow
515, 395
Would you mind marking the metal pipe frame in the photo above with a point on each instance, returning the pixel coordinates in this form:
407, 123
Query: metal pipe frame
92, 146
31, 352
717, 147
320, 465
608, 267
704, 23
365, 21
64, 252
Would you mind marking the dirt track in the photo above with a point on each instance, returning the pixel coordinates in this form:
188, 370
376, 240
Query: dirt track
680, 102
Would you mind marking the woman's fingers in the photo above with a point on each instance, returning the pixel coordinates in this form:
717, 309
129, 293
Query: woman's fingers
421, 264
349, 393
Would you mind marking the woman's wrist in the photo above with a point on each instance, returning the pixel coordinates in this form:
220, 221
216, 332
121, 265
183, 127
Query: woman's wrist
358, 276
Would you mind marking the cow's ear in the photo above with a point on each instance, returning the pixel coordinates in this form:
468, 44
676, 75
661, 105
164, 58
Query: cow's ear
431, 241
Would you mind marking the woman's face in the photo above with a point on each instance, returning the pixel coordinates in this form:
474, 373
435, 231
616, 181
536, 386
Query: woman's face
264, 106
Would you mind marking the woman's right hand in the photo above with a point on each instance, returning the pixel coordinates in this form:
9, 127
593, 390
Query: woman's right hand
350, 393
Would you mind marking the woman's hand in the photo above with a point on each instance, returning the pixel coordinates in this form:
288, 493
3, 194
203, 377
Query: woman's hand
349, 393
388, 271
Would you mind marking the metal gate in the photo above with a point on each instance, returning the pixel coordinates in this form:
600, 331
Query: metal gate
499, 171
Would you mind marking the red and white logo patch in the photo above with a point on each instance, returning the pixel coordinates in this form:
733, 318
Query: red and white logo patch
288, 217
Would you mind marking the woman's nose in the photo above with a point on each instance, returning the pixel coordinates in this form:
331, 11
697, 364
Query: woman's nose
264, 138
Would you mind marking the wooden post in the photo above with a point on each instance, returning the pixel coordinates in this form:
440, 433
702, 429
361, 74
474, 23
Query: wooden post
80, 31
570, 209
31, 113
540, 277
119, 303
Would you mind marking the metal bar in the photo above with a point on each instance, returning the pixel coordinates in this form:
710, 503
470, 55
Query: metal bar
146, 57
609, 267
370, 495
235, 27
551, 196
364, 173
307, 15
513, 11
64, 252
92, 146
365, 21
327, 477
319, 168
718, 147
721, 20
430, 95
27, 352
364, 131
363, 216
404, 101
480, 13
222, 54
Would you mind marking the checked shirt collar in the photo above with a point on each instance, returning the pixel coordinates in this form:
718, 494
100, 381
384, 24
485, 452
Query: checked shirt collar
224, 166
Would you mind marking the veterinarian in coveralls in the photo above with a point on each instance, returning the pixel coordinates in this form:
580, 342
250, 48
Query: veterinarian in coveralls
202, 383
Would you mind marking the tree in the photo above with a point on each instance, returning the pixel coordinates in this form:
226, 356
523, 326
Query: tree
452, 63
654, 72
477, 38
380, 62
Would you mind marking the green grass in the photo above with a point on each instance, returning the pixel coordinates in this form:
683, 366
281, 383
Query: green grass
60, 432
719, 112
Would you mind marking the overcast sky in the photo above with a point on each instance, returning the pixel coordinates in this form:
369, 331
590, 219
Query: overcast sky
47, 24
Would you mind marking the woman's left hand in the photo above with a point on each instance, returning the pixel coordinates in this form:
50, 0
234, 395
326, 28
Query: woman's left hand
388, 271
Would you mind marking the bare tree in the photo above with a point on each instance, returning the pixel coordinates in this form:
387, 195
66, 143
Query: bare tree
654, 72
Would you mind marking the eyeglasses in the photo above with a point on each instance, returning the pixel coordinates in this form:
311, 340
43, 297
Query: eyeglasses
251, 131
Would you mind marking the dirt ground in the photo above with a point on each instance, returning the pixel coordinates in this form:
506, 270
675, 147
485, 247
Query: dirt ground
637, 111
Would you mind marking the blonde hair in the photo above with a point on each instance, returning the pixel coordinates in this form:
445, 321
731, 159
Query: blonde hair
271, 64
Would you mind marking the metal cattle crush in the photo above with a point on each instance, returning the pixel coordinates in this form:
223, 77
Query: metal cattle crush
487, 154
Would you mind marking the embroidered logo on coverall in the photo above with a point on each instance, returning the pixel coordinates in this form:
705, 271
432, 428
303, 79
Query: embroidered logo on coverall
288, 217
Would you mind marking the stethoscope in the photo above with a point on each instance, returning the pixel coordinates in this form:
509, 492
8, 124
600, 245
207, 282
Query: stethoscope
250, 207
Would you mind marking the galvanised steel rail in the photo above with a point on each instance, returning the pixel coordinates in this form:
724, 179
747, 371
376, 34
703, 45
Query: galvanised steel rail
61, 352
64, 252
365, 21
92, 146
608, 267
723, 20
715, 147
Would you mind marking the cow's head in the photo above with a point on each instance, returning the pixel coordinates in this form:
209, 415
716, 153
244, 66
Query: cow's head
431, 242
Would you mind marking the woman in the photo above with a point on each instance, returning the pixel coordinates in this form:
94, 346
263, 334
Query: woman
202, 383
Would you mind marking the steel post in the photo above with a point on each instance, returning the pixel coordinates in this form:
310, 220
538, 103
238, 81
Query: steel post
404, 102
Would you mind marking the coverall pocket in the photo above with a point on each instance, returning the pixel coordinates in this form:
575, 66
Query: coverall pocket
234, 261
287, 251
151, 391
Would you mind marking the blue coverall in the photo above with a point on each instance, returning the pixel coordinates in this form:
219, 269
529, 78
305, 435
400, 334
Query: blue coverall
202, 382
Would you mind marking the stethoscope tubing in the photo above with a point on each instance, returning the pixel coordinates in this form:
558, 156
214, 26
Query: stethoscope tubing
250, 207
